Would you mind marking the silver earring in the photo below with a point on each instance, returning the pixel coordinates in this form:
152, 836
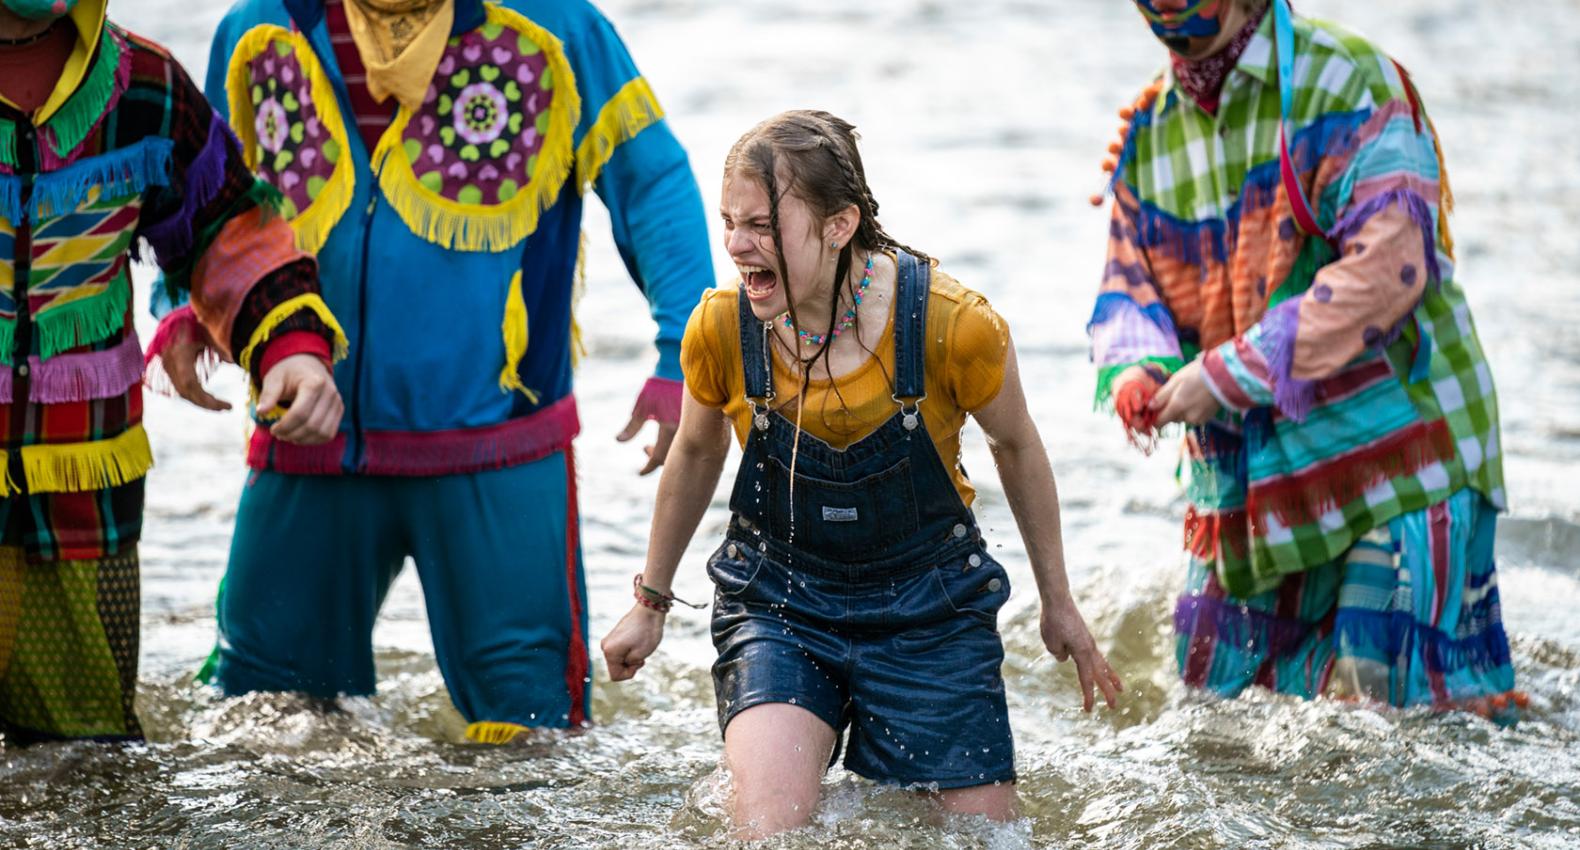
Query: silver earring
834, 245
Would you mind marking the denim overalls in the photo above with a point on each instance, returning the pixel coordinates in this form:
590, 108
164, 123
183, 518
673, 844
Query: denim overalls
870, 601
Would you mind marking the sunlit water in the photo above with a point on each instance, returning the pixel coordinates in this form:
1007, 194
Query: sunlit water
984, 123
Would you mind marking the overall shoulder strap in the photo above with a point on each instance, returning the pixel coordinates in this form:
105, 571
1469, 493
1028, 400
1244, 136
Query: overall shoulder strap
754, 353
912, 283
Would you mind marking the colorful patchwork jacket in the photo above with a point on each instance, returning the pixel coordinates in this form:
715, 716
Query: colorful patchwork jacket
1353, 385
125, 149
450, 251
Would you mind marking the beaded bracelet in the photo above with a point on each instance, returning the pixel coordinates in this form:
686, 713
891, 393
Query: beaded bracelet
657, 600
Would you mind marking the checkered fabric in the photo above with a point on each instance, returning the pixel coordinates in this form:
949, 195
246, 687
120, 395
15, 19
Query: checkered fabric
1205, 257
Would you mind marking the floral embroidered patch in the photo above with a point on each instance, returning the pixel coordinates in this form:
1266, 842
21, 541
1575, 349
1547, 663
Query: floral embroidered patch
293, 150
485, 118
283, 109
490, 147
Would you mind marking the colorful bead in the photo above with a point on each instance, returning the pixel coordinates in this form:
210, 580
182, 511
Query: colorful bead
849, 319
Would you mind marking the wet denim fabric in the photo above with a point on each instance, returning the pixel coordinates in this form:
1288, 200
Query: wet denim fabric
868, 599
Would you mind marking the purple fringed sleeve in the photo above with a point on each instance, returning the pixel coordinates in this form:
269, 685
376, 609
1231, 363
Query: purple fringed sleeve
171, 238
1414, 205
1274, 338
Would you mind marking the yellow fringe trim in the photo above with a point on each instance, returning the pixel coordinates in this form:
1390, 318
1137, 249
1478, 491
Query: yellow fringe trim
514, 329
491, 732
7, 485
1445, 200
280, 313
578, 289
633, 109
312, 225
81, 467
487, 227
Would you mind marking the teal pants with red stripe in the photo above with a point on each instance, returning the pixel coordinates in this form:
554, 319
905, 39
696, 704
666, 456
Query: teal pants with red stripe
498, 556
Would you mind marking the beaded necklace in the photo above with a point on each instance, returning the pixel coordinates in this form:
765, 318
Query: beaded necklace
809, 338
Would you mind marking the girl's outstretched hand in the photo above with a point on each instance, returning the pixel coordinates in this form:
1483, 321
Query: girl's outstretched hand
632, 640
1065, 634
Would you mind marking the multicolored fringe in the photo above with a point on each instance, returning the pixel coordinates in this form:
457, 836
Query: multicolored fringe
1396, 634
1206, 532
95, 98
85, 320
1341, 479
1331, 135
205, 175
80, 377
83, 467
1239, 625
633, 109
119, 174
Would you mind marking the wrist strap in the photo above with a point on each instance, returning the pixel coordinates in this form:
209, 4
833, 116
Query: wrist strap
657, 600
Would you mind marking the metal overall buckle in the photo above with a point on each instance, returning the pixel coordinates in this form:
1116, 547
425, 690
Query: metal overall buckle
759, 412
912, 417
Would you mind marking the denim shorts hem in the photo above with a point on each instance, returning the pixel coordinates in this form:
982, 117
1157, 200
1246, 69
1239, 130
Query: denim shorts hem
796, 700
943, 784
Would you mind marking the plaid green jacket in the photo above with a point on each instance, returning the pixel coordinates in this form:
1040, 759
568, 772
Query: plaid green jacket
1353, 386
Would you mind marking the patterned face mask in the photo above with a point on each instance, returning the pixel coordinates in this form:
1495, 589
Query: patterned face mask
40, 10
1201, 19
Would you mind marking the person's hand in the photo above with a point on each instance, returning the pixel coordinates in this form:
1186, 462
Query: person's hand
1185, 398
632, 640
1065, 634
180, 360
660, 448
315, 405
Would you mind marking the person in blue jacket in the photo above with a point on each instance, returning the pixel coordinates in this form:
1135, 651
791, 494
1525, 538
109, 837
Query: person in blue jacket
435, 156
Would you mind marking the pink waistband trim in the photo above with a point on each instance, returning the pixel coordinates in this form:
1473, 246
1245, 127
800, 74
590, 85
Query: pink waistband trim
419, 453
80, 377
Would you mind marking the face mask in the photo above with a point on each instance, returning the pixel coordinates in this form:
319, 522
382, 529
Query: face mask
1189, 23
40, 10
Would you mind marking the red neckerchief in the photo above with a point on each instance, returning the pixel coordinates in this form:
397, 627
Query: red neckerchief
1202, 79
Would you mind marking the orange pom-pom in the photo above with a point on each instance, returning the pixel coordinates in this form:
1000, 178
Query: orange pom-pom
1097, 200
1110, 164
1115, 147
1521, 698
1126, 113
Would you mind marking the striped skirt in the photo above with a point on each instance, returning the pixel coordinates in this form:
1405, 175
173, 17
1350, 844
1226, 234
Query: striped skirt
1408, 616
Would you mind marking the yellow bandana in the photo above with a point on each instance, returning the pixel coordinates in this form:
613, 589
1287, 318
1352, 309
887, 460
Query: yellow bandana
401, 42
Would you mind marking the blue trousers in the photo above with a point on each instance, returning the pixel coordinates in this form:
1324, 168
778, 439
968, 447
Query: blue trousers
498, 556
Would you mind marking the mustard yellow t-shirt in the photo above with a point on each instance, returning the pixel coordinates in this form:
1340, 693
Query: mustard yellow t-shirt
966, 346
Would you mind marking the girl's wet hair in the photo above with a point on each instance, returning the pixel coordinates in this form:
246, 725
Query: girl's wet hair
813, 155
